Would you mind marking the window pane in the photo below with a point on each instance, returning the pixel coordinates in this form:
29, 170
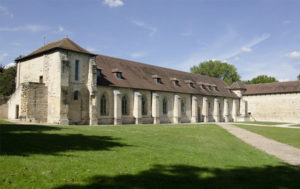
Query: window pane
76, 69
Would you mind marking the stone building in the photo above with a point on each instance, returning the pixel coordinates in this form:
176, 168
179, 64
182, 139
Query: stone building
62, 83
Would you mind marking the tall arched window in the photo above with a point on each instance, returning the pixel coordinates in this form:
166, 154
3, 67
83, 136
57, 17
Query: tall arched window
76, 94
76, 70
182, 107
165, 106
103, 105
144, 106
124, 105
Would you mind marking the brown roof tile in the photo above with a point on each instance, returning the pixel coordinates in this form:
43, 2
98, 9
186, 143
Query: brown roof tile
64, 43
142, 76
273, 88
238, 85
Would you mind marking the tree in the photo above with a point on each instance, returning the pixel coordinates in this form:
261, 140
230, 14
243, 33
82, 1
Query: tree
298, 77
263, 79
7, 81
218, 69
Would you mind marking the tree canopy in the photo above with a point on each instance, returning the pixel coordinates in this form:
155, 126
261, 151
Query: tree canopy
218, 69
298, 77
7, 80
263, 79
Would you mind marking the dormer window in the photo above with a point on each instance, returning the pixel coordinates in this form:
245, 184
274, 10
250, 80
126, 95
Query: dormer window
175, 81
117, 73
157, 79
203, 86
209, 87
190, 83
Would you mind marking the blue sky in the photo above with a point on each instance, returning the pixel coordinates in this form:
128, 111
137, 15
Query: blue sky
257, 36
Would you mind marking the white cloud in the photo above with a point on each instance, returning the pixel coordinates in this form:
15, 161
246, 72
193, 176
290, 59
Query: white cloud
91, 49
187, 34
5, 11
29, 27
286, 22
145, 26
294, 54
138, 54
113, 3
12, 64
220, 50
61, 29
246, 49
2, 56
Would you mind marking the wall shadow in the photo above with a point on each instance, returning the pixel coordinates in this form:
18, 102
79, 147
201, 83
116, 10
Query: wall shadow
185, 177
24, 140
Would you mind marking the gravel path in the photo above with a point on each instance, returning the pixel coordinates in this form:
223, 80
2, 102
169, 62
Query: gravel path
286, 153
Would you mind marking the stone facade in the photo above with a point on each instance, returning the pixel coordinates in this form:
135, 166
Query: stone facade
274, 107
65, 85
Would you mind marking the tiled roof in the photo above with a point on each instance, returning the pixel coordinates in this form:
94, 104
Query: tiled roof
143, 76
238, 85
273, 88
64, 43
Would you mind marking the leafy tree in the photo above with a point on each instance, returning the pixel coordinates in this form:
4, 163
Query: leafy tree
263, 79
218, 69
7, 81
298, 77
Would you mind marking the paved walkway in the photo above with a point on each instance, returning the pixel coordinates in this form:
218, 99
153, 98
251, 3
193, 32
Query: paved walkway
285, 152
261, 125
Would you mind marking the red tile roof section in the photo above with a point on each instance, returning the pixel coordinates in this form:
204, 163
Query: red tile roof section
273, 88
140, 76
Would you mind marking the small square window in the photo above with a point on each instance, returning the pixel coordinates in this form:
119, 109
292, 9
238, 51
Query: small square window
192, 85
119, 75
176, 82
158, 80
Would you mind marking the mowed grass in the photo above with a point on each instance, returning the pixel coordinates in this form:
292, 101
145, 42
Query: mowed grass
285, 135
142, 156
263, 122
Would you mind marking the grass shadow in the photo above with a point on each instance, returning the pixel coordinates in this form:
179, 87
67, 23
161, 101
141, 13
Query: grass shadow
185, 177
24, 140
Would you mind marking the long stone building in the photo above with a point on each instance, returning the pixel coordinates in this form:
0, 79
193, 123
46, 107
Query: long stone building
62, 83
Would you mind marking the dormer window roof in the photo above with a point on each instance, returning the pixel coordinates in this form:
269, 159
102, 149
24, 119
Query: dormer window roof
117, 73
157, 79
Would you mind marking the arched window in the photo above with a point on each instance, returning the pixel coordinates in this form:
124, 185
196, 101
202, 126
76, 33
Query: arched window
165, 106
76, 70
124, 105
144, 106
103, 105
182, 107
76, 94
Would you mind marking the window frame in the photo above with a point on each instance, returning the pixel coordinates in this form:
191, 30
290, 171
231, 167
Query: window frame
125, 107
76, 77
165, 106
103, 105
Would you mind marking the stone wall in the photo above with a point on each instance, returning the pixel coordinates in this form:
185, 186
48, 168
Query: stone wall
4, 111
274, 107
34, 100
186, 115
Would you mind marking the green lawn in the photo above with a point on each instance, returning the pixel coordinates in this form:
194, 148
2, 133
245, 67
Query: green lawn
263, 122
285, 135
142, 156
297, 125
